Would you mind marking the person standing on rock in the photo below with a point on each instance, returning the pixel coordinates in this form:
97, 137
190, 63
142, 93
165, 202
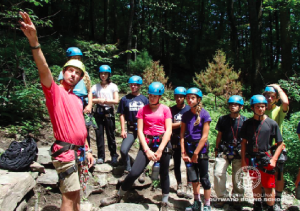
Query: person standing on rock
227, 151
82, 88
177, 111
106, 95
273, 93
65, 111
194, 147
257, 135
128, 109
154, 130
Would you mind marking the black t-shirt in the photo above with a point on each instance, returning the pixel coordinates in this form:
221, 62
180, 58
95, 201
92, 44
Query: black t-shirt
228, 125
130, 104
264, 131
177, 115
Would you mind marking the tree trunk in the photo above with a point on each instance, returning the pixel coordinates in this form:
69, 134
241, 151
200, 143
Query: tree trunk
286, 54
115, 21
277, 38
105, 20
255, 13
92, 21
129, 40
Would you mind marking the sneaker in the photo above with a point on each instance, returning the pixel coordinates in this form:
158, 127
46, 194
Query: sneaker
110, 200
277, 206
164, 206
141, 178
206, 208
121, 179
180, 192
219, 204
100, 161
195, 207
189, 194
114, 161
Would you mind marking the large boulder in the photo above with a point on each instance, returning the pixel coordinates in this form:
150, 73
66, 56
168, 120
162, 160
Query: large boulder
130, 207
44, 156
49, 178
14, 186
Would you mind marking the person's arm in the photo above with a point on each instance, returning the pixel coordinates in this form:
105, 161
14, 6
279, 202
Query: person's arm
114, 101
122, 122
30, 32
184, 156
276, 154
176, 125
140, 132
202, 142
89, 154
165, 138
88, 108
218, 141
243, 152
283, 97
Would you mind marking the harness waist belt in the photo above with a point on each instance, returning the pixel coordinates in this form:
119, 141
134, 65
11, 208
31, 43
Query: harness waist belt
152, 137
65, 147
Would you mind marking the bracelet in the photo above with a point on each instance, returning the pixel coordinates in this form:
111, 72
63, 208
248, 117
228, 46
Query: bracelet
36, 47
183, 153
89, 151
146, 150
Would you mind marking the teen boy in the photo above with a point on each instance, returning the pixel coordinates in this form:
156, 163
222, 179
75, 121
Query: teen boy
258, 133
227, 151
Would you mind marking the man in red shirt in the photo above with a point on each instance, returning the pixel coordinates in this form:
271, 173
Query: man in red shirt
65, 111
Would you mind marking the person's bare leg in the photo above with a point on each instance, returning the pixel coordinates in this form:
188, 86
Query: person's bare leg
270, 195
70, 201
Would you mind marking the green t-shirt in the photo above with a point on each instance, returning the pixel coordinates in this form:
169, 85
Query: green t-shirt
277, 115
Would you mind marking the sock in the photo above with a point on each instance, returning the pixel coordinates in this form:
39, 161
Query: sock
165, 198
207, 202
278, 194
121, 192
197, 197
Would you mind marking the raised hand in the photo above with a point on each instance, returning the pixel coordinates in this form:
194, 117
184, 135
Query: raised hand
28, 28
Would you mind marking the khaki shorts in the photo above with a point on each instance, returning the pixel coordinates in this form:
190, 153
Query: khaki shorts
71, 182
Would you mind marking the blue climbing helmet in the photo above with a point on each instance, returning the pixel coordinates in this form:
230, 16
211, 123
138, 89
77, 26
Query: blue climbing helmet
236, 99
180, 91
104, 68
194, 91
270, 89
73, 51
135, 80
255, 99
156, 88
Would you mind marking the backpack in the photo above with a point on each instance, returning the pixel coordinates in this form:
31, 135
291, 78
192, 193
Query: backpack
19, 155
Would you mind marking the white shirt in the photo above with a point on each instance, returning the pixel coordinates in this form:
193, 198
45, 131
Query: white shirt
107, 93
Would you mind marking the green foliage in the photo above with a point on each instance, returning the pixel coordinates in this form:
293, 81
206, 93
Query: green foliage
292, 86
143, 61
122, 82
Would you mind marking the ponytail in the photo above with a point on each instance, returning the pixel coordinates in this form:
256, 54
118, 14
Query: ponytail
198, 110
87, 82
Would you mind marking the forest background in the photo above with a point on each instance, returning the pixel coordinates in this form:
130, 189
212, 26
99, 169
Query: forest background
172, 41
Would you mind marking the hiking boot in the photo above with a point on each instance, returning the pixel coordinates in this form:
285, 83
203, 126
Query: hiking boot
219, 204
206, 208
257, 207
100, 161
141, 178
277, 206
121, 179
114, 161
180, 192
189, 194
195, 207
110, 200
164, 206
237, 206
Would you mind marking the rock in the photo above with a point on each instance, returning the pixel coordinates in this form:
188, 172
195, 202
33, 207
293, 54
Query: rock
173, 181
112, 180
44, 156
147, 182
22, 206
118, 170
3, 171
36, 167
130, 207
86, 206
102, 180
1, 151
34, 175
49, 178
103, 168
14, 186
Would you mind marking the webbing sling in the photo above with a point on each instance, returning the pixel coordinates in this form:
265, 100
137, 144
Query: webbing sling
153, 140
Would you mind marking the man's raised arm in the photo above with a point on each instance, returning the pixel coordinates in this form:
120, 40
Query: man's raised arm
30, 32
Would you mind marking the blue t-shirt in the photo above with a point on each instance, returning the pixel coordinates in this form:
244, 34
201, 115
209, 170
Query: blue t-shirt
194, 133
298, 128
130, 104
80, 88
177, 116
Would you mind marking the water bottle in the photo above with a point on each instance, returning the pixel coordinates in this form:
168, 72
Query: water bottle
191, 172
298, 192
252, 162
155, 171
230, 155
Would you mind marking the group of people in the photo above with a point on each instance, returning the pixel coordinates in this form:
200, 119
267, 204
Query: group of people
180, 132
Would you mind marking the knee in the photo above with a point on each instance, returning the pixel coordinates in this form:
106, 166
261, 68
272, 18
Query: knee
123, 152
205, 182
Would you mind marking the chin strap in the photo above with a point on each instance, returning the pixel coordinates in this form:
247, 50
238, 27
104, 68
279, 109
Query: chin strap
259, 115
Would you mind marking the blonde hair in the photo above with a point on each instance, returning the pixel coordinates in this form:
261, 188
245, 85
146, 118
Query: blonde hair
198, 110
87, 82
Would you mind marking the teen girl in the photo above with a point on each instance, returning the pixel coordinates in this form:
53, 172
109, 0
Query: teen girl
194, 147
154, 127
